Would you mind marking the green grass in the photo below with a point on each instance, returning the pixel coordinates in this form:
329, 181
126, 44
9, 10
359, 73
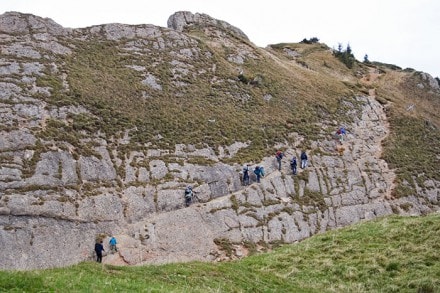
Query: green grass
394, 254
413, 150
100, 81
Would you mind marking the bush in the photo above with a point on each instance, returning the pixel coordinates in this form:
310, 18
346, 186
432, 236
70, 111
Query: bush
310, 41
345, 56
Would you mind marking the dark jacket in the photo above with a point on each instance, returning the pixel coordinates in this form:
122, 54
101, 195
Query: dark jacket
303, 156
99, 248
279, 155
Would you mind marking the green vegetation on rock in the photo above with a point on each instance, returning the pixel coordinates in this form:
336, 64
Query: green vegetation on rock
261, 106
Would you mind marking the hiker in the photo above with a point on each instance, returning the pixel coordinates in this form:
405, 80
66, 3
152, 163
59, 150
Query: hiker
293, 165
279, 155
112, 243
343, 131
303, 160
246, 175
340, 134
188, 195
259, 171
99, 248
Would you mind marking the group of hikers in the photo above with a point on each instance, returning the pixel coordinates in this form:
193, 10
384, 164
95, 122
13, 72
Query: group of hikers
293, 162
259, 170
99, 248
245, 180
190, 194
245, 175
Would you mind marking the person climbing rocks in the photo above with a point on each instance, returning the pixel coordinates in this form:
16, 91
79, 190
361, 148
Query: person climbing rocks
340, 133
113, 243
99, 248
343, 131
188, 195
279, 155
303, 160
259, 172
246, 175
293, 165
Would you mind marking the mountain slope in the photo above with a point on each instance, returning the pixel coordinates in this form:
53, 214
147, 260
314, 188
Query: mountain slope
103, 127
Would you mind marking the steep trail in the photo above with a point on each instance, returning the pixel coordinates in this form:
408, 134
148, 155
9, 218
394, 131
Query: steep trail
370, 133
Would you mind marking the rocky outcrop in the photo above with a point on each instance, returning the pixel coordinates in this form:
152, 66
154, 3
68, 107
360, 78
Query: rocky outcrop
432, 82
59, 193
27, 24
182, 20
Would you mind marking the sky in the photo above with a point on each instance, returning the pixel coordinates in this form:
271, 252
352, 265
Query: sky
405, 33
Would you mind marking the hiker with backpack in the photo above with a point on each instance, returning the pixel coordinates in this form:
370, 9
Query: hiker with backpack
113, 243
293, 165
340, 133
303, 160
99, 248
279, 156
246, 175
259, 172
188, 195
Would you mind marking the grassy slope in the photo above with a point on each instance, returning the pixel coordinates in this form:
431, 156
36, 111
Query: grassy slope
394, 254
413, 147
100, 81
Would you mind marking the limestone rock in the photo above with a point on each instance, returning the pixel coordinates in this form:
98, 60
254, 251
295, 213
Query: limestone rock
183, 19
95, 169
18, 23
56, 199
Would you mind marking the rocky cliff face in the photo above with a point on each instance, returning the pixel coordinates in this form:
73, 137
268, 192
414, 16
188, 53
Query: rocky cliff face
60, 192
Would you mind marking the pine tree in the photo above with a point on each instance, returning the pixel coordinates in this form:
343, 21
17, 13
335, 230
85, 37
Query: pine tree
366, 59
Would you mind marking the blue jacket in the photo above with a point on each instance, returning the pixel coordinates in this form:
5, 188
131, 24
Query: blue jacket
257, 171
112, 241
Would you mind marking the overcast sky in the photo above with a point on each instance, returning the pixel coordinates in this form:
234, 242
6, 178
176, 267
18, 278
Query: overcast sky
405, 33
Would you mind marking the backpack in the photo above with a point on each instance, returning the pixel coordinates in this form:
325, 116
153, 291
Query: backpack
293, 162
262, 171
279, 155
188, 192
257, 170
